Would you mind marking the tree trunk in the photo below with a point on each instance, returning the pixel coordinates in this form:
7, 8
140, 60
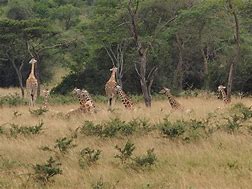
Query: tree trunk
205, 62
237, 50
19, 74
178, 75
142, 72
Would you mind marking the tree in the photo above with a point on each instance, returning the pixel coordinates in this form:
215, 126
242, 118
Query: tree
236, 58
14, 42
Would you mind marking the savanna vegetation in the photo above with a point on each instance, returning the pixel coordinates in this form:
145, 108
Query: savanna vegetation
208, 147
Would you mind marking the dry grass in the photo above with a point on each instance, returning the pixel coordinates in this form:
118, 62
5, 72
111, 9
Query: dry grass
221, 161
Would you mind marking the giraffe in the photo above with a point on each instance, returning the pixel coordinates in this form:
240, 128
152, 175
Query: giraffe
128, 104
86, 103
110, 87
174, 104
32, 84
225, 98
46, 94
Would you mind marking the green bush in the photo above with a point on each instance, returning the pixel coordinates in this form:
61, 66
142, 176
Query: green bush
244, 112
88, 156
12, 100
110, 128
172, 130
64, 144
45, 172
126, 152
186, 130
89, 128
38, 112
146, 160
25, 130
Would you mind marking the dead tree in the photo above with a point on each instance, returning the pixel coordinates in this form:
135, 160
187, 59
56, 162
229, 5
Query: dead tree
117, 58
146, 80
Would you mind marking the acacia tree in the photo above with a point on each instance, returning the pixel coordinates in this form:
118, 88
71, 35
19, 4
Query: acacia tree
14, 42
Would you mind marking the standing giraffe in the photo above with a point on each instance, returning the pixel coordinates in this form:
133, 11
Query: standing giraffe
128, 104
110, 87
174, 104
225, 98
46, 96
32, 84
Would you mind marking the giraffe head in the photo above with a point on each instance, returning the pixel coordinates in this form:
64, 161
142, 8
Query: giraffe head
76, 91
118, 87
114, 69
33, 61
164, 90
221, 87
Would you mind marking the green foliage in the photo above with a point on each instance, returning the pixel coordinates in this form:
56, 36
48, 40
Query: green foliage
16, 130
172, 130
186, 130
115, 127
89, 156
146, 160
64, 144
12, 100
126, 152
245, 112
89, 128
45, 172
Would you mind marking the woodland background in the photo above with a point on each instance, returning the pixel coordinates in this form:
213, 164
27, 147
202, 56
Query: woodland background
185, 44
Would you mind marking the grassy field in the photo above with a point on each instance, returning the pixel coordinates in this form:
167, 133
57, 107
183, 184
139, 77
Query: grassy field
219, 159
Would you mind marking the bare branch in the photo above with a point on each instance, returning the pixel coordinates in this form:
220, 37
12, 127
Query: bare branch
138, 72
111, 58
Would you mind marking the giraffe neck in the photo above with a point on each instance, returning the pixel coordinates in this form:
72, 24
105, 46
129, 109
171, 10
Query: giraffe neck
112, 77
32, 70
224, 96
171, 100
125, 99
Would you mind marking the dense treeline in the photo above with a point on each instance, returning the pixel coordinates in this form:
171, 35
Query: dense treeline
175, 43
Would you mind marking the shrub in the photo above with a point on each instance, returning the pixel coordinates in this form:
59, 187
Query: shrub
64, 144
25, 130
186, 130
126, 152
38, 112
146, 160
239, 108
89, 128
140, 124
88, 156
172, 130
45, 172
233, 123
12, 100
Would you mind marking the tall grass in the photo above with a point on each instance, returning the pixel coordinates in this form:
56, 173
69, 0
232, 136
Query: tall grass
220, 160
